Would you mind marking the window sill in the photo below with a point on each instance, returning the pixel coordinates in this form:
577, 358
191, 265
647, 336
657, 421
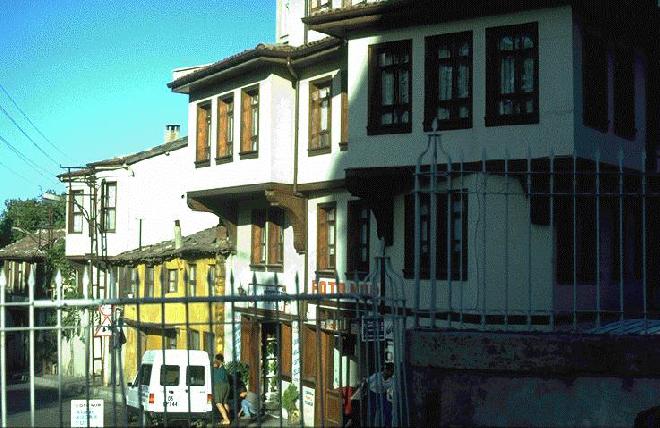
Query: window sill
383, 130
409, 274
628, 134
202, 163
249, 155
600, 127
319, 151
343, 146
449, 125
326, 273
74, 233
223, 159
511, 120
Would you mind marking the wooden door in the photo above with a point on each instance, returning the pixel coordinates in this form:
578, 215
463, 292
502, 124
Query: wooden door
331, 407
251, 351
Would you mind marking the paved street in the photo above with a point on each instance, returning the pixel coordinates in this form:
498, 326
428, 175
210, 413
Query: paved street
47, 410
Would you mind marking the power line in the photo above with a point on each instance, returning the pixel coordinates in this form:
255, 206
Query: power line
25, 159
16, 173
30, 121
27, 136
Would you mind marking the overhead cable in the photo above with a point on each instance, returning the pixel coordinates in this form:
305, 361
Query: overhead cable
28, 137
30, 121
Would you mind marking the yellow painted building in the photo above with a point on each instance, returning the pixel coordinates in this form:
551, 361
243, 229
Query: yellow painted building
195, 268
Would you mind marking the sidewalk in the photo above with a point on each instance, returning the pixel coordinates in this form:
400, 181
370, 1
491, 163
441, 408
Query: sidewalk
75, 386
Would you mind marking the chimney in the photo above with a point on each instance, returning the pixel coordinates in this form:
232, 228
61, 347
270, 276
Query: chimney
171, 133
177, 235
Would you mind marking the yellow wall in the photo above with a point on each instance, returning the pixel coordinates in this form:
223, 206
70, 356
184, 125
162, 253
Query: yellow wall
175, 314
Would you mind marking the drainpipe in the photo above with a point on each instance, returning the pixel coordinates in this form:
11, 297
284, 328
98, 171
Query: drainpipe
177, 235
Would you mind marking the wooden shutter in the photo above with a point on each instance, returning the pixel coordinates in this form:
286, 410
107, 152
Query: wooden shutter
286, 348
221, 149
314, 117
344, 116
310, 353
353, 238
201, 133
274, 235
257, 231
251, 351
322, 238
246, 125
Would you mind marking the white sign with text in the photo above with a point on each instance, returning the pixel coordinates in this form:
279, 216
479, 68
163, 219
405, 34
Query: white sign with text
80, 412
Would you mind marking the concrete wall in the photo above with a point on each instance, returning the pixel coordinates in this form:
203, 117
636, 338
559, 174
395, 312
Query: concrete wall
491, 379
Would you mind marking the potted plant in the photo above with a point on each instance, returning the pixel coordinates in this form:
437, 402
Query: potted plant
289, 400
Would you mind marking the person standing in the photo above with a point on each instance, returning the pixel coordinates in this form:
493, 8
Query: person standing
380, 406
221, 388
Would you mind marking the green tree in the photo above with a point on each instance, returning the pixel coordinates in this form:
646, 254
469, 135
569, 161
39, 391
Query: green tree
30, 215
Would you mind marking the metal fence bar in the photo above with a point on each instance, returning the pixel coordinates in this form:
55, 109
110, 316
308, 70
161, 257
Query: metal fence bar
597, 190
3, 349
574, 243
31, 283
644, 237
621, 242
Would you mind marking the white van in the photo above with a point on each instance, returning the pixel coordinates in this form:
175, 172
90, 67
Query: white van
173, 379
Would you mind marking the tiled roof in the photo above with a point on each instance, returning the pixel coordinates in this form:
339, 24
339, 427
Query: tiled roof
262, 50
31, 246
205, 242
129, 159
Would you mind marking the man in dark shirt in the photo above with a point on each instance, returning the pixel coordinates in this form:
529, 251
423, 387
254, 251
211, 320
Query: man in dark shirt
221, 388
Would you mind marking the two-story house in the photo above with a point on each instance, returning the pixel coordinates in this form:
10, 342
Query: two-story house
122, 204
307, 149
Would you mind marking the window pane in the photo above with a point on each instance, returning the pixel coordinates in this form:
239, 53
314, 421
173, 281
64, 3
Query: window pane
445, 82
507, 75
464, 50
195, 376
527, 84
387, 88
77, 223
463, 112
506, 107
169, 375
363, 254
386, 118
443, 113
506, 43
405, 117
111, 195
403, 87
527, 41
385, 59
444, 52
463, 81
324, 115
255, 122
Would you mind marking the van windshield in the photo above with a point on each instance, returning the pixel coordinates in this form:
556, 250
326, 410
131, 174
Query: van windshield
169, 375
195, 376
144, 378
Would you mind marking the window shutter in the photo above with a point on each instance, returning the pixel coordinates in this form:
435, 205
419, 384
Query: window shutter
344, 116
322, 241
353, 238
222, 129
409, 254
315, 117
286, 349
246, 125
257, 231
274, 229
201, 134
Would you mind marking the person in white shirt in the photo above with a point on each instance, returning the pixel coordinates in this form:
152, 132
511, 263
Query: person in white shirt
380, 396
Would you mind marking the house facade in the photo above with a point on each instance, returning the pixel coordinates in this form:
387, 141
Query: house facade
306, 150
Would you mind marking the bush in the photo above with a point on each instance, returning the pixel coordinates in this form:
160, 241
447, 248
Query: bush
238, 370
290, 398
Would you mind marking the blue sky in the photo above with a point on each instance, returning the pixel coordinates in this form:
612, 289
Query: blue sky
92, 75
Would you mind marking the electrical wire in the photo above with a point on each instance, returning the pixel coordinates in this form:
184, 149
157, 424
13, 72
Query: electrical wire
30, 121
21, 176
27, 160
28, 137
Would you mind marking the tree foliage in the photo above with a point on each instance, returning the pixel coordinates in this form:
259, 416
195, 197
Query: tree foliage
30, 215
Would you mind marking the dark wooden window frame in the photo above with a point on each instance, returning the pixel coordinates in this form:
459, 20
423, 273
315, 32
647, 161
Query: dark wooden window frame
192, 280
355, 224
225, 134
493, 75
75, 211
268, 230
172, 283
106, 209
432, 86
249, 142
321, 5
459, 272
315, 132
203, 147
375, 107
149, 274
325, 265
595, 77
624, 92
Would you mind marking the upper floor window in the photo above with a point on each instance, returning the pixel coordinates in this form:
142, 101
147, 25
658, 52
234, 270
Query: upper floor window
358, 237
624, 93
594, 82
249, 121
267, 238
109, 206
149, 281
203, 152
452, 207
320, 115
317, 5
76, 211
172, 280
448, 92
512, 80
225, 145
326, 237
390, 86
192, 280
